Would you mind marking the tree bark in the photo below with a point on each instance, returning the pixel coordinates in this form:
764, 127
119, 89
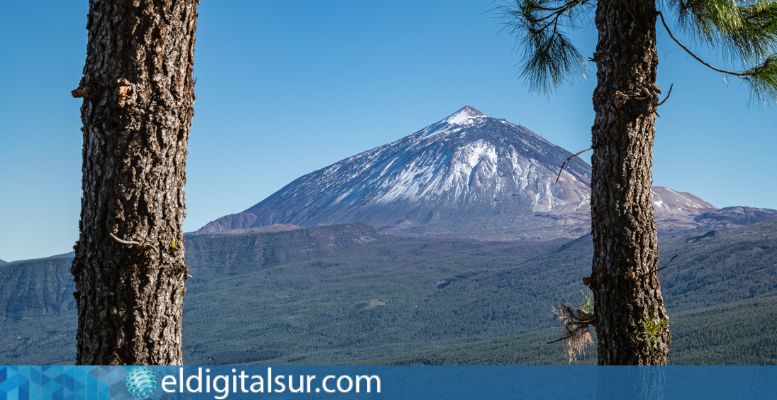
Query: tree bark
631, 321
129, 266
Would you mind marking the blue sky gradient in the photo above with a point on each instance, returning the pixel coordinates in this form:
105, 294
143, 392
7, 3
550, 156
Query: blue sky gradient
288, 87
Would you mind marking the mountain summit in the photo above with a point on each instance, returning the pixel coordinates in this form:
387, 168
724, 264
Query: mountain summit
466, 175
465, 116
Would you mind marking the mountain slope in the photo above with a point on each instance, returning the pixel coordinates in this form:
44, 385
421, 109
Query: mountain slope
348, 294
732, 216
467, 175
37, 287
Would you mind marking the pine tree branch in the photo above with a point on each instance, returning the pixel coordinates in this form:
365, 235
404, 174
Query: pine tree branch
564, 164
692, 54
565, 337
669, 93
667, 264
659, 269
550, 57
571, 332
554, 13
746, 27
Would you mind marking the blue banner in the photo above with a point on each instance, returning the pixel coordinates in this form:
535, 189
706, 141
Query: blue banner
387, 382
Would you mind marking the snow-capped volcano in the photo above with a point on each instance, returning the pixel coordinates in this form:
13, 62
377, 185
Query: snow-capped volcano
468, 174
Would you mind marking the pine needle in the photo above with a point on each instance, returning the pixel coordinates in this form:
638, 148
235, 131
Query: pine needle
549, 57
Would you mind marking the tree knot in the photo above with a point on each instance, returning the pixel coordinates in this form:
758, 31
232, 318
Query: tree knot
641, 101
126, 92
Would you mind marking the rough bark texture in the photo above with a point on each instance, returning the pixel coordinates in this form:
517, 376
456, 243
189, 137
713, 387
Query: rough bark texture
627, 294
129, 266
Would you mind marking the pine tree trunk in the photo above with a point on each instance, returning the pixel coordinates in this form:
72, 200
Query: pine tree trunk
129, 266
631, 321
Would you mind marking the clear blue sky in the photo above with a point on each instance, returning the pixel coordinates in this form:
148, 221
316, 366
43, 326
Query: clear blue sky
287, 87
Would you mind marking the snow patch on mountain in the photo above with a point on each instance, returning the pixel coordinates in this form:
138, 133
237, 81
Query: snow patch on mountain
465, 116
666, 200
468, 174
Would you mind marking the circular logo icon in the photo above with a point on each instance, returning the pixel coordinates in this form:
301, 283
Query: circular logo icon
141, 383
